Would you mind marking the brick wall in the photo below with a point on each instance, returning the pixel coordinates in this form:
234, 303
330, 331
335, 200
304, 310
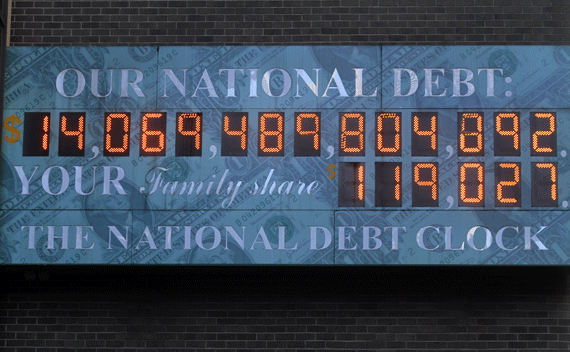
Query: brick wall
285, 309
290, 22
92, 308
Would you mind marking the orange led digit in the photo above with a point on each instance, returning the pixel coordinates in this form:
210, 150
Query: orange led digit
432, 182
388, 134
270, 134
543, 133
351, 190
314, 132
195, 132
360, 176
36, 134
188, 134
241, 132
71, 134
507, 134
307, 134
388, 184
234, 137
153, 134
45, 135
351, 134
79, 133
424, 136
544, 184
470, 134
425, 185
117, 126
508, 184
471, 184
398, 183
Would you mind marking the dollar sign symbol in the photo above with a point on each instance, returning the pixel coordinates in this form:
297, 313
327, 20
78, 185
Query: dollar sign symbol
331, 169
10, 125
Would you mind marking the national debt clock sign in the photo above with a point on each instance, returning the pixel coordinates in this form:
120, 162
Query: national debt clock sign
300, 155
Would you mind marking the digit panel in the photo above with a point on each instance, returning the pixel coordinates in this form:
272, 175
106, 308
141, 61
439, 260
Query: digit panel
471, 184
351, 134
71, 134
544, 179
507, 139
36, 134
351, 188
543, 134
425, 184
388, 134
470, 134
234, 134
307, 134
271, 134
388, 184
153, 134
508, 184
117, 134
188, 134
424, 134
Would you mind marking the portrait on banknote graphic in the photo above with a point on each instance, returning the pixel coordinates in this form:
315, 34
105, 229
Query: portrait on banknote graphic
102, 211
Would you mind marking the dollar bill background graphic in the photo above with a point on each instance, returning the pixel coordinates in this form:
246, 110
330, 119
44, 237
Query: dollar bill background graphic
538, 80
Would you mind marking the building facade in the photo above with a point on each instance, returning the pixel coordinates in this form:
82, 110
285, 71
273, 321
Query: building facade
286, 308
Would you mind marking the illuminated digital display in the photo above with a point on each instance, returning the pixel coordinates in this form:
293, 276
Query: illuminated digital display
72, 134
507, 140
188, 134
388, 183
388, 134
307, 134
471, 184
508, 184
234, 134
153, 134
36, 134
352, 191
424, 134
470, 130
389, 191
543, 134
271, 134
425, 185
544, 184
117, 134
351, 134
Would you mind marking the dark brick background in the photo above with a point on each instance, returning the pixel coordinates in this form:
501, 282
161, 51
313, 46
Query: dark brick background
285, 309
290, 22
103, 308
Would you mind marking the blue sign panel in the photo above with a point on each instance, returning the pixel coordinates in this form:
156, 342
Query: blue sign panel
286, 155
